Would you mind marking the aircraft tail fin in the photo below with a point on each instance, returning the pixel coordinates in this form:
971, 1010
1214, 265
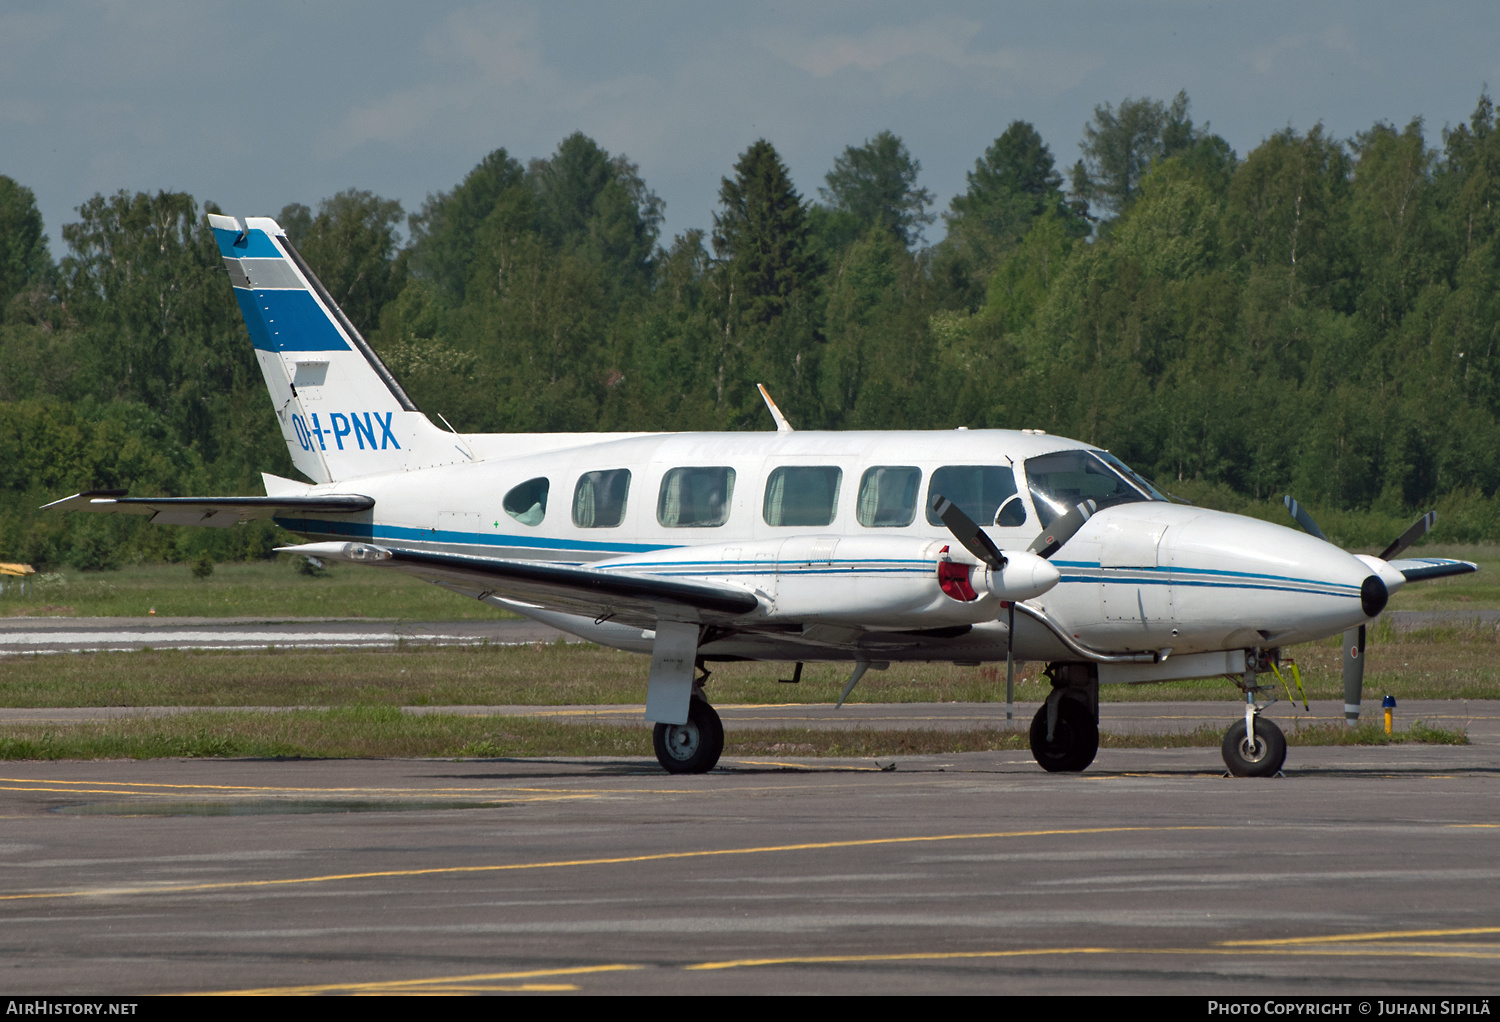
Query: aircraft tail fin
342, 413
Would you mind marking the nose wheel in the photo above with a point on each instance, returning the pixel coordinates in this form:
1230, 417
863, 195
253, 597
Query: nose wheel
1261, 756
1254, 746
694, 747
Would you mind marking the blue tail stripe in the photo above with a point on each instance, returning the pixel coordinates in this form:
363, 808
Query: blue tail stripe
288, 321
255, 246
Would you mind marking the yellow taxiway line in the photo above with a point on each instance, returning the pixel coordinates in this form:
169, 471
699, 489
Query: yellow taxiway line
477, 982
228, 885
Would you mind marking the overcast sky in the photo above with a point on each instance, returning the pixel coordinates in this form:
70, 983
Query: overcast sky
255, 105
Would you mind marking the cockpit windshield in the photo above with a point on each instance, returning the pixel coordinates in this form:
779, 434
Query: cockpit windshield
1061, 480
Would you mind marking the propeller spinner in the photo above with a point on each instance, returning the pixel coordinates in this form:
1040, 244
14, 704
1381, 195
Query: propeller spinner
1354, 638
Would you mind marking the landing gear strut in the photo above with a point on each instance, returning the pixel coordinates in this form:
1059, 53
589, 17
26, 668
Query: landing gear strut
1254, 747
1065, 731
694, 747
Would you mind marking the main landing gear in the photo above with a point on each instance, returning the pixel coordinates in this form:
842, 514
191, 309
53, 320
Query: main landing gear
1065, 731
1255, 746
694, 747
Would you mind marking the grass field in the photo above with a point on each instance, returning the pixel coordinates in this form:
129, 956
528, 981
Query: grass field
367, 731
274, 589
277, 589
1458, 663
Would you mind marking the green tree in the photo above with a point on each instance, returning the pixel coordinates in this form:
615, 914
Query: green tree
351, 246
766, 286
145, 282
1011, 185
444, 231
876, 184
596, 204
1119, 146
24, 258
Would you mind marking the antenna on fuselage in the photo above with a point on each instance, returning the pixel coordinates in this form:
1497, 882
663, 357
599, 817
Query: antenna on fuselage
782, 426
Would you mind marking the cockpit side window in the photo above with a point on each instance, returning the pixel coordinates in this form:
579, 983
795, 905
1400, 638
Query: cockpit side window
1135, 477
1061, 480
527, 503
695, 497
980, 491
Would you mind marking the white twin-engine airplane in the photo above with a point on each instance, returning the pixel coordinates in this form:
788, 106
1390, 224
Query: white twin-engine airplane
860, 547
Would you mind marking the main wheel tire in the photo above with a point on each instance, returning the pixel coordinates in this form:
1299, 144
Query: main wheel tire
1075, 738
691, 748
1264, 759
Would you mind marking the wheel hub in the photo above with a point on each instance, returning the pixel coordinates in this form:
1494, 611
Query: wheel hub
682, 740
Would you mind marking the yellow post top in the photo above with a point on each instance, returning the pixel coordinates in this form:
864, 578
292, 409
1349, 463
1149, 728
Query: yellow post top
16, 569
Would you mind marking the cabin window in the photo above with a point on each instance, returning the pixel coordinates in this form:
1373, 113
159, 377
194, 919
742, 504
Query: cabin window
1012, 513
888, 496
599, 499
802, 495
1060, 481
527, 503
979, 490
695, 497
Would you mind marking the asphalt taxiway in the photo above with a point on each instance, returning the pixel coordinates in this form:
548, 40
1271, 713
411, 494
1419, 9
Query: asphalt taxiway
1364, 871
1479, 718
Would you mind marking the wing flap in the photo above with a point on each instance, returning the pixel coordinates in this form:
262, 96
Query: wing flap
1420, 569
616, 595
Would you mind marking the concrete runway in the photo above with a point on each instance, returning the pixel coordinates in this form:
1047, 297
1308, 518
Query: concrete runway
117, 634
1365, 871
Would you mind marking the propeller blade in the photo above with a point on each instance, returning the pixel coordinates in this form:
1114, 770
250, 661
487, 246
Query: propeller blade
1354, 673
967, 532
1416, 531
1062, 529
1303, 518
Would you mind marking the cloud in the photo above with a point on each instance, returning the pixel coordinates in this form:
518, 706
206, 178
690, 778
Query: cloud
478, 55
1333, 39
946, 42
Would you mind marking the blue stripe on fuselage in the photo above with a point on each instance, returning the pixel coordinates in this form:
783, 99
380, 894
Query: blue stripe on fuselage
369, 533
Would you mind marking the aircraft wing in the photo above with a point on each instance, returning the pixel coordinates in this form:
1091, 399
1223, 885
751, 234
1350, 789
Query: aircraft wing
1419, 569
219, 512
616, 595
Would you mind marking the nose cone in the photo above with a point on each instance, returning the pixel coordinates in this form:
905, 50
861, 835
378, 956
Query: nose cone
1250, 576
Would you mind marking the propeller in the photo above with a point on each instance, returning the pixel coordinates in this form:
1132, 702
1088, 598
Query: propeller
1354, 638
975, 540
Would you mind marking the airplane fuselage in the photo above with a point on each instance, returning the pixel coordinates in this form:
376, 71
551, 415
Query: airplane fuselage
855, 576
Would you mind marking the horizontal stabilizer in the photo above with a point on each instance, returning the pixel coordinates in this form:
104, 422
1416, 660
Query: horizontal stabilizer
1419, 569
626, 597
214, 511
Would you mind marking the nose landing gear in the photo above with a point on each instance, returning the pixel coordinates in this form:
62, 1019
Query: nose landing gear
1254, 747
